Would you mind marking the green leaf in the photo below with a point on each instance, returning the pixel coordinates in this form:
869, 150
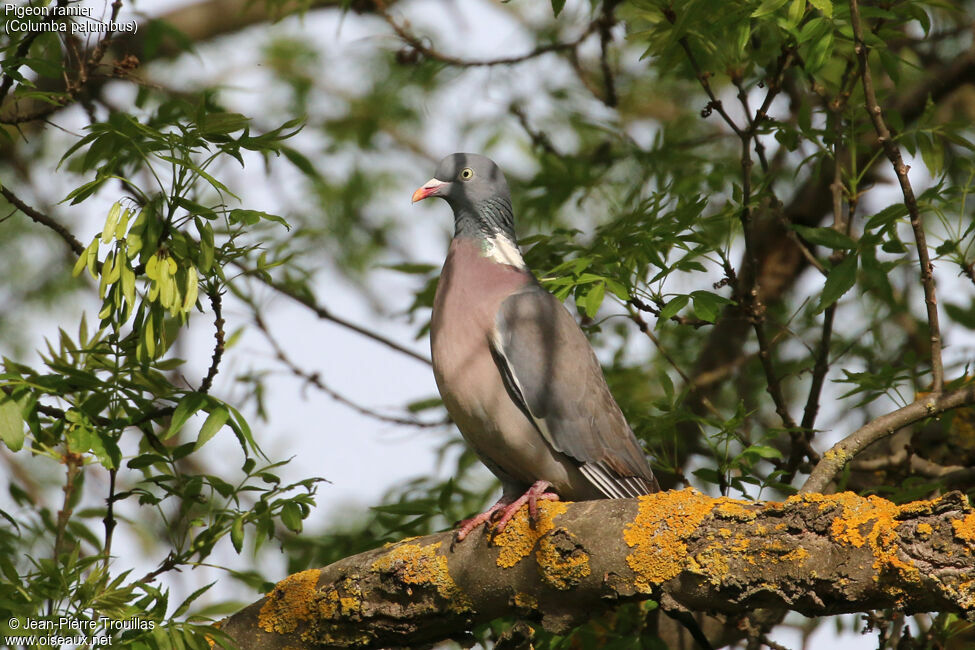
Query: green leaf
11, 423
291, 516
237, 533
299, 160
411, 268
214, 422
424, 404
108, 232
887, 216
557, 6
767, 7
187, 406
222, 123
671, 308
825, 6
764, 451
841, 279
960, 315
593, 299
145, 460
707, 305
825, 237
251, 217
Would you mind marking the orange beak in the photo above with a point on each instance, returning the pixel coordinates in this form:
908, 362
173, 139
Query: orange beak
429, 189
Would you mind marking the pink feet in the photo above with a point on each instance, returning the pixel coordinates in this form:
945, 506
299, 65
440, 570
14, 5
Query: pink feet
505, 509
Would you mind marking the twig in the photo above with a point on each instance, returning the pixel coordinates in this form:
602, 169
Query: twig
417, 44
642, 325
325, 314
951, 475
73, 461
605, 24
822, 356
703, 77
43, 219
931, 404
680, 320
538, 138
315, 380
755, 308
216, 301
900, 170
109, 519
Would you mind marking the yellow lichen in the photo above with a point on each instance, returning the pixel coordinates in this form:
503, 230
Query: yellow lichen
965, 595
872, 521
559, 569
519, 537
924, 529
422, 565
739, 544
713, 563
731, 509
525, 601
796, 555
664, 521
965, 528
835, 455
289, 603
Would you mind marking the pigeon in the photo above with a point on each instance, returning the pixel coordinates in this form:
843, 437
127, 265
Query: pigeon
516, 373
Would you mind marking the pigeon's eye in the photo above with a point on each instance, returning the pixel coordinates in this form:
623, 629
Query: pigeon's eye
466, 174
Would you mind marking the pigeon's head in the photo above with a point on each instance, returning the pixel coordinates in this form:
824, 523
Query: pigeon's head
468, 182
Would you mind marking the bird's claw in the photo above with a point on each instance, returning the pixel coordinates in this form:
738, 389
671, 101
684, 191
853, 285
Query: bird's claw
504, 510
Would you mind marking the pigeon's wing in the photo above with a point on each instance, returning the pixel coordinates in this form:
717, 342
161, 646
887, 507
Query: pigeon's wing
552, 373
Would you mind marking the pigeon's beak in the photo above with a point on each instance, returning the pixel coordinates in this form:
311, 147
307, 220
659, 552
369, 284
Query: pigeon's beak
430, 188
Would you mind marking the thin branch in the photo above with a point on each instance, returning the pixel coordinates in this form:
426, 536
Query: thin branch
756, 309
900, 170
44, 220
325, 314
109, 520
73, 462
703, 77
750, 295
930, 405
822, 356
418, 45
216, 301
538, 138
315, 380
605, 37
642, 325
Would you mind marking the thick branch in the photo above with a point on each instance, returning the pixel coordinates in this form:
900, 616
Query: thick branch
812, 554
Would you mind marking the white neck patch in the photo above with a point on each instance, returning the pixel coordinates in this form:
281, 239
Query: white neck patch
503, 251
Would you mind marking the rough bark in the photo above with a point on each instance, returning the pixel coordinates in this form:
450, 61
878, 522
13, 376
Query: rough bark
812, 553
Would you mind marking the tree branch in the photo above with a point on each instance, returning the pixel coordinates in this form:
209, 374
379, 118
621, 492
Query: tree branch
927, 405
326, 314
44, 220
418, 45
900, 170
813, 554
